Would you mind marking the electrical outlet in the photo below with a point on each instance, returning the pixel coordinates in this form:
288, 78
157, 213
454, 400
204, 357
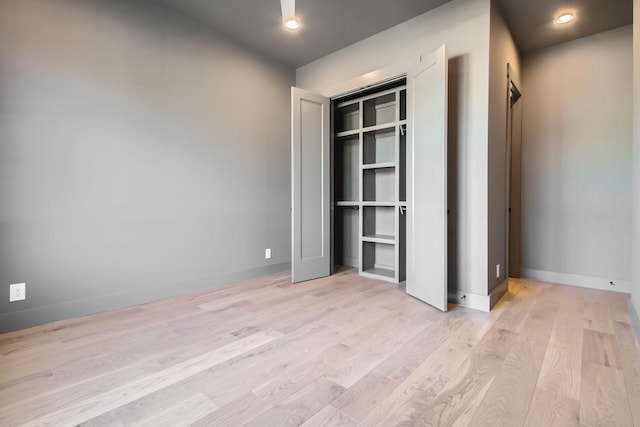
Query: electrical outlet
497, 271
267, 253
17, 292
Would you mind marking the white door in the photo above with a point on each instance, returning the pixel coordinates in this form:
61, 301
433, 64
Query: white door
310, 169
427, 180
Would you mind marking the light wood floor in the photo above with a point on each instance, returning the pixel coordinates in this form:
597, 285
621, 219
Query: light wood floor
340, 351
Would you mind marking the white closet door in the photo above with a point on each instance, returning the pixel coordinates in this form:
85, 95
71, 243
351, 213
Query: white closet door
427, 181
310, 166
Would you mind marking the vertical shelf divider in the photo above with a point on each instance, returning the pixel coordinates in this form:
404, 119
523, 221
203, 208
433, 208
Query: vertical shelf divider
397, 189
360, 183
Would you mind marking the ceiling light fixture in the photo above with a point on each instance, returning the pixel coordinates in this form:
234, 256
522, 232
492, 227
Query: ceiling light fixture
289, 18
292, 23
565, 18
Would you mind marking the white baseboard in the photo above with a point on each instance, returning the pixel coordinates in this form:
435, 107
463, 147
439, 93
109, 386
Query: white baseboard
467, 299
590, 282
478, 302
634, 321
69, 309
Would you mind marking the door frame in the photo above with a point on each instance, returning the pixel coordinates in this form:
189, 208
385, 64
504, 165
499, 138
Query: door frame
371, 80
513, 82
352, 86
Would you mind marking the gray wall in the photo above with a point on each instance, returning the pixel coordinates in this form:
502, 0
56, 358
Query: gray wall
635, 254
141, 155
502, 52
464, 26
577, 161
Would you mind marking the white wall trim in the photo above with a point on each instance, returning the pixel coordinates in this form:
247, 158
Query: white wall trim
478, 302
469, 300
590, 282
634, 320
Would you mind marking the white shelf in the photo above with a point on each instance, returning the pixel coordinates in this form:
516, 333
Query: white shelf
380, 273
380, 203
347, 133
385, 126
371, 96
348, 203
376, 203
379, 165
347, 104
380, 238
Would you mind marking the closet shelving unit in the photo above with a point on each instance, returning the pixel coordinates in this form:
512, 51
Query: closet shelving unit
370, 182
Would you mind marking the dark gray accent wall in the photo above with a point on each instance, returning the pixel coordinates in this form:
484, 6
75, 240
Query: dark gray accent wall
141, 156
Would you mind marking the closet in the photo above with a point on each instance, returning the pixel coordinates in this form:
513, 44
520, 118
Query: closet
369, 177
369, 181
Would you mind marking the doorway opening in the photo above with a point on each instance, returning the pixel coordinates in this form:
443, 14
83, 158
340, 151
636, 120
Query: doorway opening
416, 201
514, 177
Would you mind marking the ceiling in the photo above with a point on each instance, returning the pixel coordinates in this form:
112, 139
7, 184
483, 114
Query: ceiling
329, 25
532, 27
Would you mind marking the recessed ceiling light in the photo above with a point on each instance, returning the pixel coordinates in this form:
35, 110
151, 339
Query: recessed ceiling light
292, 23
565, 18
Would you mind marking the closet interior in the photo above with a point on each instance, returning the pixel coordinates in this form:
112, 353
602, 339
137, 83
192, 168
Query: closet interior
369, 181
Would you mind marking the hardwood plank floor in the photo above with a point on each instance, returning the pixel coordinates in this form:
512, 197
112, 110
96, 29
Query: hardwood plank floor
338, 351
